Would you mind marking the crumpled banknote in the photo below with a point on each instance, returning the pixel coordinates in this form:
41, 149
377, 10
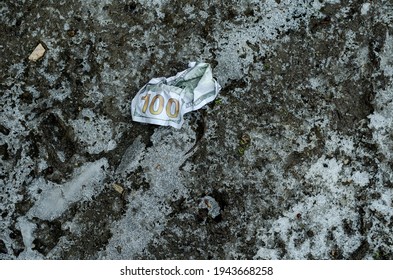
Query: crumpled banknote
164, 101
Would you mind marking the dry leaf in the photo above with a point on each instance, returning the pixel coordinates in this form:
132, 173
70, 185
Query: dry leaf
118, 188
37, 53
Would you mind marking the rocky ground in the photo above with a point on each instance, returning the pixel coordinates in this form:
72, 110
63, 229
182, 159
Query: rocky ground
296, 150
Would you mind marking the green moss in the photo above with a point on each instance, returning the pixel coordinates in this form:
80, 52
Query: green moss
244, 143
218, 101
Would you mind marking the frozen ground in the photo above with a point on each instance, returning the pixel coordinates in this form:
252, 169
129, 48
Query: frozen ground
296, 151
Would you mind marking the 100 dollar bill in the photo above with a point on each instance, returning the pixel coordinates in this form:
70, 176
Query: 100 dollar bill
164, 101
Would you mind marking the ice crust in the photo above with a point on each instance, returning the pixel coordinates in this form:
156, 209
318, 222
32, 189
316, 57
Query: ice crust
55, 199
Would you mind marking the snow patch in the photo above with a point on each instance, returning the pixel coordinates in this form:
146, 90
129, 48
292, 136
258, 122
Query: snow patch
147, 209
365, 8
235, 51
361, 178
325, 170
95, 132
387, 56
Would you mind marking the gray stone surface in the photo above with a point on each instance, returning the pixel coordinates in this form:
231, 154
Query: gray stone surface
296, 150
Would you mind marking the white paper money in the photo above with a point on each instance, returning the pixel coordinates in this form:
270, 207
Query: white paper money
164, 101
